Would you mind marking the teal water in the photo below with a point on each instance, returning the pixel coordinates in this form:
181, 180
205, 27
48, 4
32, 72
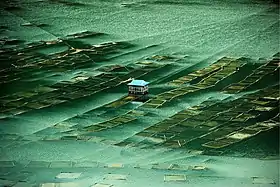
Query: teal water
195, 34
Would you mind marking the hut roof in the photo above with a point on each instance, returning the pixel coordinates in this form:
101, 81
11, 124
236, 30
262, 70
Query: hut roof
138, 83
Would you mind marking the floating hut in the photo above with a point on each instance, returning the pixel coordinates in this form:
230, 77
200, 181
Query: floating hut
138, 88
